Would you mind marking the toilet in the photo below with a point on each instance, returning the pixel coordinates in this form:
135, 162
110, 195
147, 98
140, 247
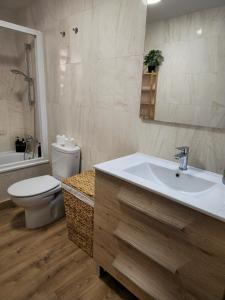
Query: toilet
42, 196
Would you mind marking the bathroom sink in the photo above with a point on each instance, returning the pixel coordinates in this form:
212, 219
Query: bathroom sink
172, 178
196, 188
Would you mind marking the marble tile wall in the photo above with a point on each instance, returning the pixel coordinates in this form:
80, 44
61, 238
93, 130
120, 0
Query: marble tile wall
16, 118
7, 15
94, 82
191, 80
28, 109
11, 108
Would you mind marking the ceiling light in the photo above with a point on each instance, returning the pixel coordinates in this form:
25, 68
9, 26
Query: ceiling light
150, 2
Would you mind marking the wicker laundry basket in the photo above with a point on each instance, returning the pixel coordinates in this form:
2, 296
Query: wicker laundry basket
79, 191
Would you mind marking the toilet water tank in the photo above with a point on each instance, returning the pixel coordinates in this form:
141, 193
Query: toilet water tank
65, 161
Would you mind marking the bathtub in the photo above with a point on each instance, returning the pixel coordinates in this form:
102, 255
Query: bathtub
12, 160
10, 157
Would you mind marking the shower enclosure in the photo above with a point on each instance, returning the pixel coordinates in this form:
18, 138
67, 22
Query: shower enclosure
23, 118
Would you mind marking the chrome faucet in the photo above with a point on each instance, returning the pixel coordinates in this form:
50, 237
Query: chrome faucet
182, 156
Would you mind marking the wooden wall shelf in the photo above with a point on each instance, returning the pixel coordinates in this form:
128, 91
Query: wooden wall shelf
148, 96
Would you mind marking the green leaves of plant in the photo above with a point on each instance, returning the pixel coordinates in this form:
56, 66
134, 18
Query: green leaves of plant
154, 58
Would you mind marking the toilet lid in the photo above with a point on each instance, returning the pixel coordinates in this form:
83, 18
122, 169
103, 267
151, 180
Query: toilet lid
33, 186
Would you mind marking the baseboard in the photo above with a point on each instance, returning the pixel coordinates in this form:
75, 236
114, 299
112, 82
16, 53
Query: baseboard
7, 203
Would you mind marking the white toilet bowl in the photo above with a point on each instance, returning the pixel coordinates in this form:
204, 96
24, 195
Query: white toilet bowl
42, 199
42, 196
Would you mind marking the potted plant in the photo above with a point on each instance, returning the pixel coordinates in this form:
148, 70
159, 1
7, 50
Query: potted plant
153, 60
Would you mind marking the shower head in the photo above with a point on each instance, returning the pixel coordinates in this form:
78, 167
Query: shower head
18, 72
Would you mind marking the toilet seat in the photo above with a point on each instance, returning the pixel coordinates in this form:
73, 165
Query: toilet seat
35, 192
35, 187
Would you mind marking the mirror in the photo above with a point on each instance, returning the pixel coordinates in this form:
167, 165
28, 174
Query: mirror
188, 86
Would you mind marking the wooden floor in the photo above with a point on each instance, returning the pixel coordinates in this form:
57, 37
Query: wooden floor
44, 265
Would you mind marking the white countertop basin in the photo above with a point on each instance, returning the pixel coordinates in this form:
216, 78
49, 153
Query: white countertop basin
195, 188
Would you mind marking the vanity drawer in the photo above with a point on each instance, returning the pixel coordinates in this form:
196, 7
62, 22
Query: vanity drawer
106, 249
115, 192
188, 265
147, 275
137, 272
172, 218
173, 238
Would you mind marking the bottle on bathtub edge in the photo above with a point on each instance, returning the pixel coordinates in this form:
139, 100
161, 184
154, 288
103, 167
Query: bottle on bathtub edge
39, 150
20, 144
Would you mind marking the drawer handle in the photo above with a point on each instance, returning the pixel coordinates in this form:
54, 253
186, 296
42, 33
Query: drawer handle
154, 210
153, 282
153, 245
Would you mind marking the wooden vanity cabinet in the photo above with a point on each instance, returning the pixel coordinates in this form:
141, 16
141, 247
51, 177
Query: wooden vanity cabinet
155, 247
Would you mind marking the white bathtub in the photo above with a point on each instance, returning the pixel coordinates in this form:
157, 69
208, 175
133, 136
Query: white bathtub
12, 160
10, 157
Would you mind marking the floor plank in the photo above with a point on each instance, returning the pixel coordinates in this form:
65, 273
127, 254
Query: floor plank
43, 264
